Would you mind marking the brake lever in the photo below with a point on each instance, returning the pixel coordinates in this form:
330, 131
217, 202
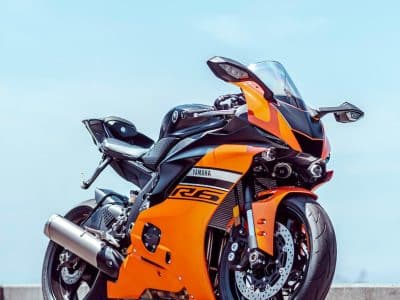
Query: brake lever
235, 100
100, 168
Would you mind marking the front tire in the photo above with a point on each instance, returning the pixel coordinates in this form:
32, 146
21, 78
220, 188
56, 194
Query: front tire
69, 282
314, 257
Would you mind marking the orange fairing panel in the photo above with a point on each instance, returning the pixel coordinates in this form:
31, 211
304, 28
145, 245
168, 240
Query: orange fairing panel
264, 213
265, 115
183, 224
183, 219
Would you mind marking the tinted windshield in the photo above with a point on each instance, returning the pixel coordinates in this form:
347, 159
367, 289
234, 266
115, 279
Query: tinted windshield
275, 77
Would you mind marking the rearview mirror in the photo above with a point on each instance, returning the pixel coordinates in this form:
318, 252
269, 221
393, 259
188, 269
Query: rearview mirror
348, 116
228, 69
344, 113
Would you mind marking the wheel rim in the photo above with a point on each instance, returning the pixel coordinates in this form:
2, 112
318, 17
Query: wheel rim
67, 283
296, 224
71, 281
276, 272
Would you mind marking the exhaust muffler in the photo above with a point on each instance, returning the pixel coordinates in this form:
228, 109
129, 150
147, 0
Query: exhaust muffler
84, 244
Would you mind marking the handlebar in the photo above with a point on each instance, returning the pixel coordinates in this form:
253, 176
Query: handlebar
234, 100
220, 108
208, 113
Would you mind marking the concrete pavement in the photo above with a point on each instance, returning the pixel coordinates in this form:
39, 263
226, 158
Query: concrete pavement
338, 292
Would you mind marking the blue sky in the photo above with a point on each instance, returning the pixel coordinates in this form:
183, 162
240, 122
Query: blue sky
61, 62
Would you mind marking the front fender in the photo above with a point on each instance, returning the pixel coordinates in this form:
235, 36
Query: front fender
264, 214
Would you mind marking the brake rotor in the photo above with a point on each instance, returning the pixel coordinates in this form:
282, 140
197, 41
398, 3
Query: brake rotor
262, 287
71, 271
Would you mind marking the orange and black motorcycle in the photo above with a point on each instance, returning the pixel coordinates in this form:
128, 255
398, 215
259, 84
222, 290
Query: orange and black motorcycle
225, 206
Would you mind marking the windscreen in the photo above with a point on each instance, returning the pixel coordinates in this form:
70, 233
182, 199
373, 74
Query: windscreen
275, 77
308, 131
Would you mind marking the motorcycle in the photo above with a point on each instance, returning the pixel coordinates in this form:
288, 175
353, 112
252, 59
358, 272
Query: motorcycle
224, 208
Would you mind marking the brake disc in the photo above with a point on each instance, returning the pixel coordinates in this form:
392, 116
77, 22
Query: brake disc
246, 282
71, 272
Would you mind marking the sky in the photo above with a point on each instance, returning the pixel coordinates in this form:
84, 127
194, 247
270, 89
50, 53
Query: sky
64, 61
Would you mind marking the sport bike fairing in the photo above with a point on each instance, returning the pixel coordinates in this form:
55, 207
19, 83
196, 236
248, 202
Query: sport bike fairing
274, 104
183, 218
179, 263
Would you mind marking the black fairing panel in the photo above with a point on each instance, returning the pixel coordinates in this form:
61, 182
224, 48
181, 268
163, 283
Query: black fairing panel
212, 124
118, 128
302, 121
170, 175
131, 172
313, 147
308, 131
237, 131
176, 124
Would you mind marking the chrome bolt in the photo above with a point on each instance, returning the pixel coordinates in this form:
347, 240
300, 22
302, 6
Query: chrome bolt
235, 247
231, 256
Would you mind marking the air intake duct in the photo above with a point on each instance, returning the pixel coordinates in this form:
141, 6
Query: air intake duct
84, 244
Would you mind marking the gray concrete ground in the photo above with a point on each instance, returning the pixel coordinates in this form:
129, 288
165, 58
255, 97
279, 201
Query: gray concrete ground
364, 292
20, 292
338, 292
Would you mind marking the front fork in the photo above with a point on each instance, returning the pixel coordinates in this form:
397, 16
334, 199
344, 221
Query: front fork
248, 201
260, 211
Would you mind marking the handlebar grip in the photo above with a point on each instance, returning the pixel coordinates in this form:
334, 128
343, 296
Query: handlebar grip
217, 102
235, 100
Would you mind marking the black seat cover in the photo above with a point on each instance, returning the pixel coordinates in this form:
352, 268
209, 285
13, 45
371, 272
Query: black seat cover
119, 149
160, 149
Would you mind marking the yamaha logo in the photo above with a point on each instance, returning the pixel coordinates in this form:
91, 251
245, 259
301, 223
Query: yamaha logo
175, 116
201, 172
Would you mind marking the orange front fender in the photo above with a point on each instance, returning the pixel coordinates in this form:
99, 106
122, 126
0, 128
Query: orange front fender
264, 214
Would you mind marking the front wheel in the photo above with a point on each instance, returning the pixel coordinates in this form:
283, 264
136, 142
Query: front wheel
304, 258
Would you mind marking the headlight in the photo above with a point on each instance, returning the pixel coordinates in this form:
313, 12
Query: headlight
315, 170
282, 170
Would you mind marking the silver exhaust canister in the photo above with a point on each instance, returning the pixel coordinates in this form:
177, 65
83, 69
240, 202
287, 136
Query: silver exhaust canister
84, 244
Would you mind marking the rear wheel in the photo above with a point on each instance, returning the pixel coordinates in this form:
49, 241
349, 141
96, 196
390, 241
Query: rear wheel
304, 258
64, 275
